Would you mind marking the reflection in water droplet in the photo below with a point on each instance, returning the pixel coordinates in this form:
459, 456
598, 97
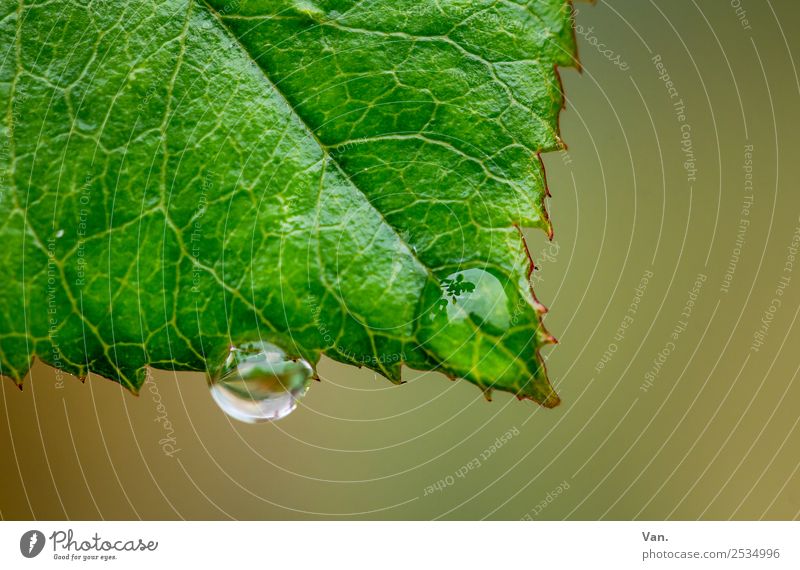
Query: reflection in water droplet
476, 293
60, 233
257, 382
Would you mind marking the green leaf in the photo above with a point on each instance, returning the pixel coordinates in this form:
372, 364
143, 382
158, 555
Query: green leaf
337, 177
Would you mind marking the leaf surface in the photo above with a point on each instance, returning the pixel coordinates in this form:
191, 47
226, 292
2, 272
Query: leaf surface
337, 177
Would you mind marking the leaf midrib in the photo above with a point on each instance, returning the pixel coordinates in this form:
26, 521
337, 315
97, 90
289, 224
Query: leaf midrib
328, 157
323, 147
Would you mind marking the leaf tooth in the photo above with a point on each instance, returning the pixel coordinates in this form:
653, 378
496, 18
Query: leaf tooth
393, 371
544, 338
140, 376
393, 374
131, 378
17, 381
15, 368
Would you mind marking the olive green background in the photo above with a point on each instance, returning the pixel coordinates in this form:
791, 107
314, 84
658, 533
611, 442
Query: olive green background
714, 435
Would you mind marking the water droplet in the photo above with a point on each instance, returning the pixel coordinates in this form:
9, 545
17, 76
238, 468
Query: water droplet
60, 233
476, 294
481, 325
257, 382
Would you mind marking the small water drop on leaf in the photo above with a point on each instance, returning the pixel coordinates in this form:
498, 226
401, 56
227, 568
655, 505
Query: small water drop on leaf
257, 382
474, 294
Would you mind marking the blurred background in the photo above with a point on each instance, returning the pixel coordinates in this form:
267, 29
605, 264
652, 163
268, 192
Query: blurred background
673, 289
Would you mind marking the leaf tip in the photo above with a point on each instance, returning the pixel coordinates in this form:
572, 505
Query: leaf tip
550, 401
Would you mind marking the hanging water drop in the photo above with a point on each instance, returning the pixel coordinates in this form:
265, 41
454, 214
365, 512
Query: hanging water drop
257, 382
